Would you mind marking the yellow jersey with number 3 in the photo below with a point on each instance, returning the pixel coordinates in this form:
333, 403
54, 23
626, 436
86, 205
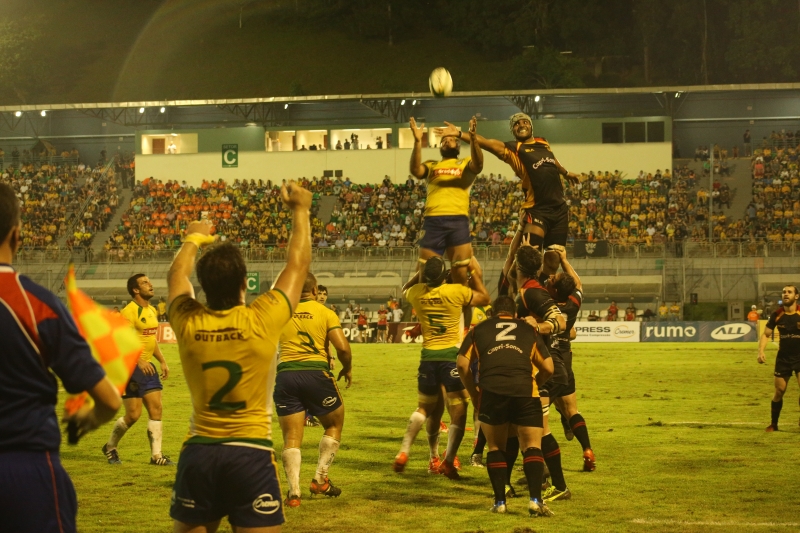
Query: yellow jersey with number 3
145, 320
302, 344
228, 359
440, 314
449, 183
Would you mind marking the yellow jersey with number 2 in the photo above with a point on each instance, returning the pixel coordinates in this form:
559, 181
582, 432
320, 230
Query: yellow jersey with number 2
302, 344
228, 359
440, 314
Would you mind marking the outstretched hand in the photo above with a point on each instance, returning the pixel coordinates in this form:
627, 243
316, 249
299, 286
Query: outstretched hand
416, 131
447, 131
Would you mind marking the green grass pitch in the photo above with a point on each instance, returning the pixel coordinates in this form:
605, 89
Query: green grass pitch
678, 430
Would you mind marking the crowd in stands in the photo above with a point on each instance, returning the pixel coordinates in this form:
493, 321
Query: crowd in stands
774, 213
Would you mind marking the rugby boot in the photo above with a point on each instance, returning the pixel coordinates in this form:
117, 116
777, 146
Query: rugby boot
291, 500
770, 429
538, 509
162, 460
448, 470
433, 465
400, 462
325, 489
588, 460
476, 460
553, 494
456, 463
499, 508
111, 455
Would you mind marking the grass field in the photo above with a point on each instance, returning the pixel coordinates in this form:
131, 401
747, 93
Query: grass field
678, 430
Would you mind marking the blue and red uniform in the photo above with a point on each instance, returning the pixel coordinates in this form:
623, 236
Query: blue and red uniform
37, 339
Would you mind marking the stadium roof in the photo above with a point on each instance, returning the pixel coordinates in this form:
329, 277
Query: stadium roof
396, 96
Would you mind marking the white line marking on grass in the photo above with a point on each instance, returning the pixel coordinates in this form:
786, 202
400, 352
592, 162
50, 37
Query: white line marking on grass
756, 424
713, 523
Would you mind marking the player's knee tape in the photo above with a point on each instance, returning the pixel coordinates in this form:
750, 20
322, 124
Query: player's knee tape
555, 248
422, 261
461, 263
535, 240
427, 398
457, 401
546, 410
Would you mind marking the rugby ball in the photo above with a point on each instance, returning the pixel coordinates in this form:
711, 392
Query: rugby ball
440, 83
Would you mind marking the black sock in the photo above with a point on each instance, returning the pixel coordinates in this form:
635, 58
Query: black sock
552, 456
533, 464
496, 467
512, 451
776, 411
480, 443
581, 432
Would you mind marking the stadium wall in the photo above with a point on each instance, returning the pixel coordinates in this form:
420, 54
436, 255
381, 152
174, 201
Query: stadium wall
369, 166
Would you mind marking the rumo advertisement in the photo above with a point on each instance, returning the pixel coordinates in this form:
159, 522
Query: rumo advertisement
699, 332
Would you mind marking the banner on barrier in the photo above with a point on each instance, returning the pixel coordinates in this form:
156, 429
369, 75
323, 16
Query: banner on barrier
607, 331
165, 334
699, 332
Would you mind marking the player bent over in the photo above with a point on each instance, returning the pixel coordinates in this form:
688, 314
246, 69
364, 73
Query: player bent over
785, 320
445, 227
438, 306
227, 464
305, 384
567, 289
144, 386
512, 363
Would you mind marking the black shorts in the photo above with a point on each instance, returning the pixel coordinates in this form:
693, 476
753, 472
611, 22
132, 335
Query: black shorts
314, 391
38, 496
554, 390
784, 367
497, 409
218, 480
554, 222
140, 383
433, 374
440, 233
381, 327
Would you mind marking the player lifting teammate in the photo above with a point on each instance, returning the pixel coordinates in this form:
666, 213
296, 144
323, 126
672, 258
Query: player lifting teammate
144, 386
439, 308
567, 290
305, 384
785, 320
445, 227
512, 363
546, 214
227, 465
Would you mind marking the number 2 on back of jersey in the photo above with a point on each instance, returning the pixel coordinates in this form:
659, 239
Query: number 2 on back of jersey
507, 328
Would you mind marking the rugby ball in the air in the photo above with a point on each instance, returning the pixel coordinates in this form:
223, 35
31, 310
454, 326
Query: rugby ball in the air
440, 83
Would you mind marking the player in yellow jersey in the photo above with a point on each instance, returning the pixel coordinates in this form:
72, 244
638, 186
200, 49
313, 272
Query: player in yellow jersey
439, 308
144, 386
305, 384
227, 464
480, 313
445, 228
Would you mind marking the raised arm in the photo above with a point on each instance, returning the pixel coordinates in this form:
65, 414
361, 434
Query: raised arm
413, 281
476, 161
490, 145
571, 176
417, 169
198, 234
480, 295
562, 254
290, 280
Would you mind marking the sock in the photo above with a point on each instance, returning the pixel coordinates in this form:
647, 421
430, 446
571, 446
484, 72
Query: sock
454, 438
433, 443
552, 456
120, 427
533, 464
154, 432
480, 443
496, 466
579, 429
291, 465
512, 451
415, 422
776, 411
328, 446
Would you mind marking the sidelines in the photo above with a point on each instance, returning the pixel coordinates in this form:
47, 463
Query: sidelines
735, 524
720, 424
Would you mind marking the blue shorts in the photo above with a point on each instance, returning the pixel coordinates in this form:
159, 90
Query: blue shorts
218, 480
433, 374
440, 233
37, 494
314, 391
140, 383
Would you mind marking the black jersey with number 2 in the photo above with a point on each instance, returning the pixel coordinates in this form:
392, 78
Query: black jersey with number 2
787, 326
507, 350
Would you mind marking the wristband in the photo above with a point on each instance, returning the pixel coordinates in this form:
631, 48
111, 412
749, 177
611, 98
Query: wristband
198, 239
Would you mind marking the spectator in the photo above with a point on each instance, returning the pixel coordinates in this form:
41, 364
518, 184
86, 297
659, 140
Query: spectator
630, 312
648, 315
675, 311
593, 316
613, 311
753, 315
663, 311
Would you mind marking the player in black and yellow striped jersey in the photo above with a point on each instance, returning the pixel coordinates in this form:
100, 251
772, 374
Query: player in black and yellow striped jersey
228, 352
445, 228
439, 308
305, 384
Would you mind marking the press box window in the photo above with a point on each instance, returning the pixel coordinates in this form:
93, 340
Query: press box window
635, 132
612, 132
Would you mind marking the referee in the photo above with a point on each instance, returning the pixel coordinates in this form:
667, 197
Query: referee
513, 362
